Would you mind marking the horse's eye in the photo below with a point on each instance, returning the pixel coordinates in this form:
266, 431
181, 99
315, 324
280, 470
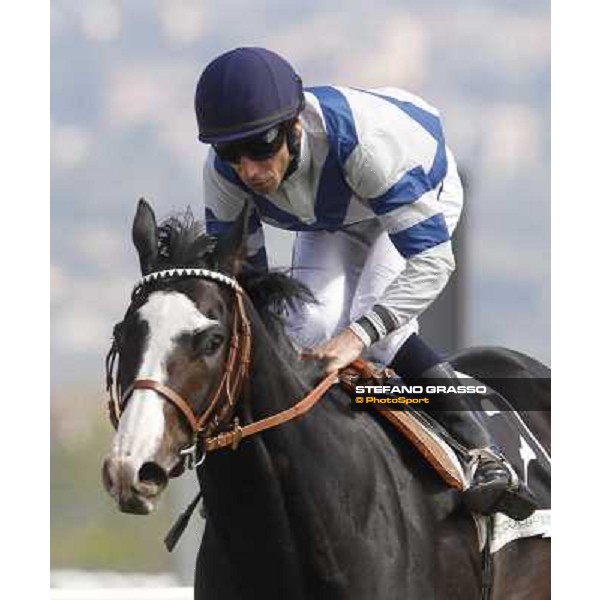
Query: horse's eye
207, 342
214, 343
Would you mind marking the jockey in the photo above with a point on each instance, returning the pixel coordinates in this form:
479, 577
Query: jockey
366, 180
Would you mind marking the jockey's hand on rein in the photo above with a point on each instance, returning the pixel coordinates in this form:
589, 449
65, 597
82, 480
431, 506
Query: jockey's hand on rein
339, 351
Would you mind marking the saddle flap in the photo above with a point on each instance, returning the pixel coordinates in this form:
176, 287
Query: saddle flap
432, 447
411, 424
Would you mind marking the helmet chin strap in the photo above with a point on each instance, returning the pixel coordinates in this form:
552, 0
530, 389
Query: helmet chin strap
293, 142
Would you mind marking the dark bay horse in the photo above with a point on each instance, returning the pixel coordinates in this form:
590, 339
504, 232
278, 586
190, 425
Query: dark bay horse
332, 505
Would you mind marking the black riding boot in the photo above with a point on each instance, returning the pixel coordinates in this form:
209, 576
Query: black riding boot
494, 486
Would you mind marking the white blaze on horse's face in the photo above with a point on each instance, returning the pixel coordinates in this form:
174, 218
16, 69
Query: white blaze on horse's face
142, 426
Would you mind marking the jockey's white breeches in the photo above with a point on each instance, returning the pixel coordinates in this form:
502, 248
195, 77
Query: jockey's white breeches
347, 271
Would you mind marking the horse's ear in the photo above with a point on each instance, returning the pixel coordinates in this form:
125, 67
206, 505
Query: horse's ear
145, 236
230, 252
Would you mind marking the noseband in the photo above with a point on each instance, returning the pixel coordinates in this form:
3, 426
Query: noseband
223, 398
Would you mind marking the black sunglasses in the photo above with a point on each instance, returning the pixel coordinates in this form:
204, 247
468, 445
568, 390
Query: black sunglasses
257, 147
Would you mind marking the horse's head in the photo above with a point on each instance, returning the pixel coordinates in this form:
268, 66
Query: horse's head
174, 346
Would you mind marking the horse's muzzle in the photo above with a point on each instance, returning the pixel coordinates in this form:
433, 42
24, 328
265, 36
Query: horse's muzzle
135, 489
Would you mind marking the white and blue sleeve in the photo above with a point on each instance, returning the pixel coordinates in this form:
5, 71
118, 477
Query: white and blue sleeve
399, 169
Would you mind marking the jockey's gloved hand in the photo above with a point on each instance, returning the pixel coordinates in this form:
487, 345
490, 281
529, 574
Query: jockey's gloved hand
338, 352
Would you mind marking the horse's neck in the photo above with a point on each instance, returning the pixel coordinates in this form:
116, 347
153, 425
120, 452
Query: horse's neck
245, 490
292, 504
275, 381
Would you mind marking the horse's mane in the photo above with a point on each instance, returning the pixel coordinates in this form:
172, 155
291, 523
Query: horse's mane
183, 243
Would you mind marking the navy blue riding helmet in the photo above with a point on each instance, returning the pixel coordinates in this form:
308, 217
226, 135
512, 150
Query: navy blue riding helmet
246, 92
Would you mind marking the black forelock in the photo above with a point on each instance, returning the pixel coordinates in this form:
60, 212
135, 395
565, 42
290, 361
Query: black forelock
183, 243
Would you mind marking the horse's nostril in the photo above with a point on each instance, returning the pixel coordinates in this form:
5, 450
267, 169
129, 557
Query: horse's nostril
152, 475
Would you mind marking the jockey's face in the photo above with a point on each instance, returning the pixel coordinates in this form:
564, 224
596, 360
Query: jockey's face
265, 176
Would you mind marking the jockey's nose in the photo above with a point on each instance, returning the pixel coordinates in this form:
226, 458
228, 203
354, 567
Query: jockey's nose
251, 169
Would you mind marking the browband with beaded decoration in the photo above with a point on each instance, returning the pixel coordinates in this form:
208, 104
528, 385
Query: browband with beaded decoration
191, 272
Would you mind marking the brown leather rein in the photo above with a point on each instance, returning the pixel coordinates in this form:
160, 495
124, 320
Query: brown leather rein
225, 396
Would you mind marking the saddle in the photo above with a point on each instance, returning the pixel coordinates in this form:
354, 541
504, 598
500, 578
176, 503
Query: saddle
416, 426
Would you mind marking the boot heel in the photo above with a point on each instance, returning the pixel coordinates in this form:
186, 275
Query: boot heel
518, 504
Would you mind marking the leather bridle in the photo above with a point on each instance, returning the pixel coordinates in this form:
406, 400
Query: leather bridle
224, 397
